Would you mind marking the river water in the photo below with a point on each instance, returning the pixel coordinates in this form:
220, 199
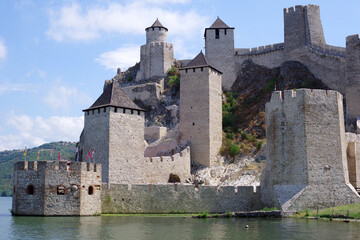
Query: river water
142, 227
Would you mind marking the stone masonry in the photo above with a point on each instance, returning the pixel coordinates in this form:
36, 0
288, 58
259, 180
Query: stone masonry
306, 152
157, 55
49, 188
201, 109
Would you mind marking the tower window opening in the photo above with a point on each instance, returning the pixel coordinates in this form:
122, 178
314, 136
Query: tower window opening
30, 189
217, 33
185, 70
225, 31
202, 69
104, 109
98, 110
153, 29
159, 28
193, 69
115, 109
193, 124
138, 112
124, 110
91, 190
132, 111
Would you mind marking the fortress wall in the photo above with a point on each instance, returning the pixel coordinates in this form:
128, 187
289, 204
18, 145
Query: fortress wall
96, 136
306, 158
352, 80
26, 174
90, 203
261, 56
154, 151
149, 93
168, 198
154, 133
159, 168
353, 158
126, 146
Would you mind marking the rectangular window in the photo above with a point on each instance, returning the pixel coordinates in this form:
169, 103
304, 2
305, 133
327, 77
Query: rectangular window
193, 69
115, 109
159, 29
217, 33
104, 109
132, 111
225, 31
124, 110
185, 70
98, 110
202, 69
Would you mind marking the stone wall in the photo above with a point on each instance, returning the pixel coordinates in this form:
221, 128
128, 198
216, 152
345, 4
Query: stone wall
58, 188
160, 168
353, 158
270, 56
352, 80
168, 198
220, 52
154, 133
200, 114
306, 151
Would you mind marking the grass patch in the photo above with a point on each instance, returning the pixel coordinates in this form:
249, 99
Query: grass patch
351, 211
266, 209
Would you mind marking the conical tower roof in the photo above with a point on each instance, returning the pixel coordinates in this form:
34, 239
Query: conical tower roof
157, 23
200, 61
114, 96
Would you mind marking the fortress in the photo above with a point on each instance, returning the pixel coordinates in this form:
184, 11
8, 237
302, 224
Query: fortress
311, 162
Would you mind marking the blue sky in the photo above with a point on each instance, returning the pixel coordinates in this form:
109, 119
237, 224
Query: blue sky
55, 55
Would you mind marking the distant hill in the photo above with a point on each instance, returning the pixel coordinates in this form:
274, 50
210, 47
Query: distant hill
7, 159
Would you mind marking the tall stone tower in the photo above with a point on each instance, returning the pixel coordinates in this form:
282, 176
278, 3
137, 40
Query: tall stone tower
306, 165
156, 56
302, 26
352, 90
114, 128
219, 49
201, 109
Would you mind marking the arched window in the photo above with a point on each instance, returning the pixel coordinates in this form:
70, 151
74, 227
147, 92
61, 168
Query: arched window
91, 190
30, 189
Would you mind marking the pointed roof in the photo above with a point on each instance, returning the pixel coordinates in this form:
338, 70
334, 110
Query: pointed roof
219, 24
114, 96
157, 23
200, 61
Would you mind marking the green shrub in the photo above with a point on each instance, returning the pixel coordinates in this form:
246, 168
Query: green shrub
234, 150
306, 212
130, 78
249, 137
174, 81
259, 144
230, 135
203, 214
227, 119
229, 213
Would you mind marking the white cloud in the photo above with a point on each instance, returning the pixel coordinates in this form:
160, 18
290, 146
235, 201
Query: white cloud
34, 131
76, 23
3, 50
62, 97
123, 57
7, 87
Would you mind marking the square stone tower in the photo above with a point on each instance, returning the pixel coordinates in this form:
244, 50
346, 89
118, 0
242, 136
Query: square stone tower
219, 49
201, 109
114, 128
157, 55
306, 165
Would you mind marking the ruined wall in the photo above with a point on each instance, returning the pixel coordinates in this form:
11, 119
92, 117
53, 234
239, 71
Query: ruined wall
154, 133
167, 198
159, 168
220, 52
149, 93
126, 146
306, 151
352, 81
201, 114
59, 188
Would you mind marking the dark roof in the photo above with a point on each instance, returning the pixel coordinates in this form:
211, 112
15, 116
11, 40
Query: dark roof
200, 61
157, 23
219, 24
114, 96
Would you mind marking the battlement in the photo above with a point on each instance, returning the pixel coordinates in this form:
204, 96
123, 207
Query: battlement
42, 166
159, 44
331, 51
300, 8
166, 159
300, 94
107, 109
259, 50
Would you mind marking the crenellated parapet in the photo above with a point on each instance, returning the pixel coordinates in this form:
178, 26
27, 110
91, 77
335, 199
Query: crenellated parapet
259, 50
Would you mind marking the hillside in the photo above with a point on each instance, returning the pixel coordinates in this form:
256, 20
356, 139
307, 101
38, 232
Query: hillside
7, 159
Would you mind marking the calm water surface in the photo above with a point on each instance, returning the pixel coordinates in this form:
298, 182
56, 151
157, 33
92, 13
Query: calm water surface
114, 227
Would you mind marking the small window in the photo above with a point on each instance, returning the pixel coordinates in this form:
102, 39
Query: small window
124, 110
185, 70
30, 190
91, 190
115, 109
193, 124
193, 69
92, 111
60, 190
98, 110
132, 111
217, 33
153, 29
159, 28
225, 31
104, 109
202, 69
138, 112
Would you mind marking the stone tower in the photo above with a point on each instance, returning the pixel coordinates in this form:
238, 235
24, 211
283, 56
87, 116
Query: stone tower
302, 26
156, 56
352, 90
219, 49
201, 109
306, 165
114, 128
